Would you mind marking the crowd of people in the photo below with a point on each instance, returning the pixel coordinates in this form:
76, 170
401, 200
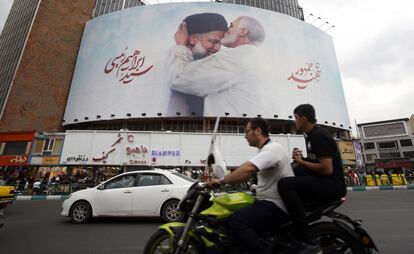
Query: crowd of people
69, 183
61, 184
377, 177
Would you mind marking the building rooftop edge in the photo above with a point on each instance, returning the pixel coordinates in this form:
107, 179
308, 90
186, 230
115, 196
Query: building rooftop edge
385, 121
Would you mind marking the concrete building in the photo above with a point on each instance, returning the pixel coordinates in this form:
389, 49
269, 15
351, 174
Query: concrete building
388, 144
38, 49
107, 6
12, 42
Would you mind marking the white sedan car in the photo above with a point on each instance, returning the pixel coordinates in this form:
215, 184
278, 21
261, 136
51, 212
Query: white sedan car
139, 193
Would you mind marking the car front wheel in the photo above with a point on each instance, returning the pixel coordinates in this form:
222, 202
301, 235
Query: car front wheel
80, 212
170, 212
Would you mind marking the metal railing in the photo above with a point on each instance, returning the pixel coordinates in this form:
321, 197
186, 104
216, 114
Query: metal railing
379, 180
51, 189
67, 188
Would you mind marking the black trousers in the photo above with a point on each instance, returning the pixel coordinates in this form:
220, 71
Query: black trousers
304, 188
261, 216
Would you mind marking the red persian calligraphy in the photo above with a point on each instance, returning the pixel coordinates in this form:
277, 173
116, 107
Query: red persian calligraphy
304, 75
127, 67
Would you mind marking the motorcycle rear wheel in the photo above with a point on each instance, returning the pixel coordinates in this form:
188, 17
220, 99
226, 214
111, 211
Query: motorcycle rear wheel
161, 242
335, 240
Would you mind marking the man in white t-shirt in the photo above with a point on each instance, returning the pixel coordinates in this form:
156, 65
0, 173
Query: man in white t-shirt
270, 164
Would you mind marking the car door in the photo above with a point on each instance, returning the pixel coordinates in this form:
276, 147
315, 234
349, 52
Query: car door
151, 191
115, 198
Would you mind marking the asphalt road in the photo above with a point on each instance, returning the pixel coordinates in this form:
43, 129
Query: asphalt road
37, 226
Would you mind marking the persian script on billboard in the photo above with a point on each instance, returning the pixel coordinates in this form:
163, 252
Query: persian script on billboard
197, 59
126, 68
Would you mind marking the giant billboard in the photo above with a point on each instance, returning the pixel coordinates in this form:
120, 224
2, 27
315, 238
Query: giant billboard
223, 59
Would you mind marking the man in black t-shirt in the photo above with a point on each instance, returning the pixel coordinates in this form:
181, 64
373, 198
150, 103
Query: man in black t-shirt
318, 178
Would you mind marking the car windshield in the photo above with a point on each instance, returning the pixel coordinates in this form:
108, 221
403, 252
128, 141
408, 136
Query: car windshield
185, 177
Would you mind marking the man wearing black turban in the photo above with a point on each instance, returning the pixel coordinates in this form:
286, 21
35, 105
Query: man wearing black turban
204, 32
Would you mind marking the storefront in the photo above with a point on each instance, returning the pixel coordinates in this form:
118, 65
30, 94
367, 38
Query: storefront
14, 155
110, 151
397, 165
45, 156
346, 149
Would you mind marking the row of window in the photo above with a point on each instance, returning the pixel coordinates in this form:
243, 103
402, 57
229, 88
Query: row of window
42, 147
389, 155
388, 144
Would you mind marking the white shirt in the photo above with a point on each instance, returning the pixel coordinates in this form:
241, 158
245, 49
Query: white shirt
177, 101
273, 164
228, 80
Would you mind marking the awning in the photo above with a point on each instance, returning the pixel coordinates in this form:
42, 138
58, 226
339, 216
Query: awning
348, 162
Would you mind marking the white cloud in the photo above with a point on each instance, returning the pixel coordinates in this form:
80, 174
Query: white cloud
373, 40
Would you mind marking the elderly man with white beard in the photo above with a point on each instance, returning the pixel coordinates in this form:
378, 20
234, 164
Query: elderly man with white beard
204, 32
230, 80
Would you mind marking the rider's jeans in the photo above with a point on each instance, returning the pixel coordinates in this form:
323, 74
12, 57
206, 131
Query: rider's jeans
261, 216
295, 191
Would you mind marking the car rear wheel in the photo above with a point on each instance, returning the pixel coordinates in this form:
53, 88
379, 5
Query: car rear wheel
80, 212
170, 212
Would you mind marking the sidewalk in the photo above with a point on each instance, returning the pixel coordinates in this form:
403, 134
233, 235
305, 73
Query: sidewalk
385, 187
41, 197
354, 188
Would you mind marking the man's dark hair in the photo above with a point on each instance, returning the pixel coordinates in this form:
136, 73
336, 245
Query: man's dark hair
307, 111
261, 123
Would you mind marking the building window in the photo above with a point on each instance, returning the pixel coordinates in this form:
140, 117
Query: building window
48, 146
388, 144
57, 147
406, 142
15, 148
371, 157
409, 154
369, 146
389, 153
38, 148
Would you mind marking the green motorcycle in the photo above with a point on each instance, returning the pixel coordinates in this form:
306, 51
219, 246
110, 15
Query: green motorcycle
207, 231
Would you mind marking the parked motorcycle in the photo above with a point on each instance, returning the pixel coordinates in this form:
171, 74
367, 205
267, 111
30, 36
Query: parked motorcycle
207, 230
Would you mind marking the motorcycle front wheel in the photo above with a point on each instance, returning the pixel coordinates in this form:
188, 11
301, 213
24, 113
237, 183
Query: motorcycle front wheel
161, 242
335, 240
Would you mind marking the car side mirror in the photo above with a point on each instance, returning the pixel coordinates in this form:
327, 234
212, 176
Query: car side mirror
101, 187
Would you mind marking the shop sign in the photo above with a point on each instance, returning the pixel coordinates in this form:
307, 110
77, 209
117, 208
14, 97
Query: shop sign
165, 153
105, 154
50, 160
14, 160
77, 158
137, 162
136, 150
136, 155
346, 149
395, 164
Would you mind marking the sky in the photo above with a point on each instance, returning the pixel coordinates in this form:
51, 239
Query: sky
5, 6
373, 41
